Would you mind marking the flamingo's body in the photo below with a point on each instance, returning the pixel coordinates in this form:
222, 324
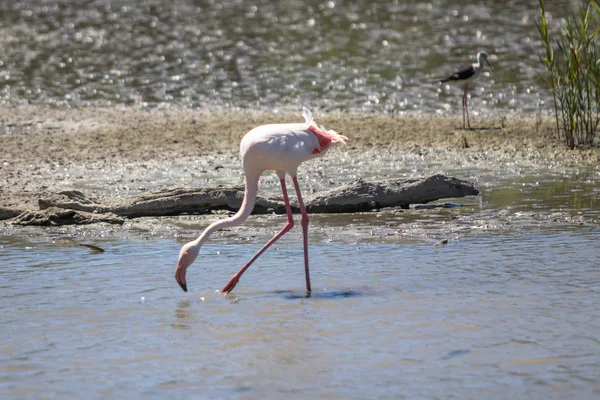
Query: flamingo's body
465, 75
281, 148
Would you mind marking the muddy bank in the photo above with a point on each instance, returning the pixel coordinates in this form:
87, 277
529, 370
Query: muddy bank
37, 134
121, 152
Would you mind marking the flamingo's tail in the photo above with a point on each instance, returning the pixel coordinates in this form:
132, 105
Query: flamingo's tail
328, 136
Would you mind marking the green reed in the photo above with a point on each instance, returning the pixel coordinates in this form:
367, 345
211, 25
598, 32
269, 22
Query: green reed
572, 63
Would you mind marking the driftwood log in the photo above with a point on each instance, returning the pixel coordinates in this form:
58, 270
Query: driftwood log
361, 196
7, 213
169, 202
75, 207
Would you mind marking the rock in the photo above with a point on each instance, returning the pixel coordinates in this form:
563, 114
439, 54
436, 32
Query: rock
54, 216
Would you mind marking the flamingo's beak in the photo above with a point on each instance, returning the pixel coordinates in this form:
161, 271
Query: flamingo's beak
183, 286
180, 276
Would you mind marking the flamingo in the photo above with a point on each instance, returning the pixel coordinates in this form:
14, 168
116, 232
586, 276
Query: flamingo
281, 148
463, 76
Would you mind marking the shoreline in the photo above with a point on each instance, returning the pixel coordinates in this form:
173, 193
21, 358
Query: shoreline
46, 149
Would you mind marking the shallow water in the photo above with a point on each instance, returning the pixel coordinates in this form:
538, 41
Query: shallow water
509, 315
507, 308
365, 55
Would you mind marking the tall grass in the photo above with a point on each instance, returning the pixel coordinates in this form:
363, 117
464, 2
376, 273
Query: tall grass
572, 63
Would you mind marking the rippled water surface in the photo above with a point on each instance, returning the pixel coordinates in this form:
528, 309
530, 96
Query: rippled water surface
508, 308
336, 55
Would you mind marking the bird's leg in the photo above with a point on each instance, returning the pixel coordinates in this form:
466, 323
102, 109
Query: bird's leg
304, 232
463, 107
288, 225
466, 96
463, 112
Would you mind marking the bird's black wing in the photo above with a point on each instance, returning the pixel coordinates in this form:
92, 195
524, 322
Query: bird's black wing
461, 75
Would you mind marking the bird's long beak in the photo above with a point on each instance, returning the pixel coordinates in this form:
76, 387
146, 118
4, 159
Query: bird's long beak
488, 63
180, 276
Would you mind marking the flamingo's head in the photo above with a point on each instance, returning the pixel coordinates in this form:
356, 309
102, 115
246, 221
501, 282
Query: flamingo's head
187, 255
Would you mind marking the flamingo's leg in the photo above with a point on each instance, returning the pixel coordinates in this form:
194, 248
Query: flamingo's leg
304, 232
288, 225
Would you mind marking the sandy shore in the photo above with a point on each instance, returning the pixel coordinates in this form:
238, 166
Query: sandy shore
53, 149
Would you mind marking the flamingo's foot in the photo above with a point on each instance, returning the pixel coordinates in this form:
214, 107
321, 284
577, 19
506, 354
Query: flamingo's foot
230, 285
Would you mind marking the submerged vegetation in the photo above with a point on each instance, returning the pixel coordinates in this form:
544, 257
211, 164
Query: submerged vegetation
572, 63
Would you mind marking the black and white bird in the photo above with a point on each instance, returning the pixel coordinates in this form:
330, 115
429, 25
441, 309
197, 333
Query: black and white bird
465, 75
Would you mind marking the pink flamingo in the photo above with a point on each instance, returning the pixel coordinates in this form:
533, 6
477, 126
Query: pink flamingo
278, 147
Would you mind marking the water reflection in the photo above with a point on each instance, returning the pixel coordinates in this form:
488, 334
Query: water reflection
319, 294
573, 193
182, 315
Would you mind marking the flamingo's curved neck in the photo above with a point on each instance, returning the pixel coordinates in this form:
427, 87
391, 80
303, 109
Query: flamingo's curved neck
239, 217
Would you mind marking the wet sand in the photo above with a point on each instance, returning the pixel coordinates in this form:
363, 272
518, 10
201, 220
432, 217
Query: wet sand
45, 149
